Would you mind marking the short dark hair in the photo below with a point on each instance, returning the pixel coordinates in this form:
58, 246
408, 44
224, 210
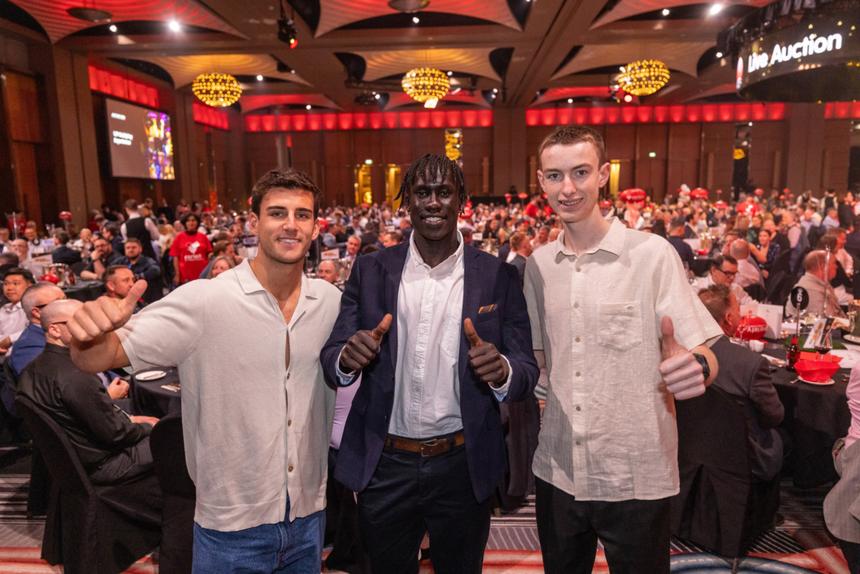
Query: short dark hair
718, 261
28, 277
283, 179
569, 135
112, 270
432, 164
62, 236
188, 216
133, 240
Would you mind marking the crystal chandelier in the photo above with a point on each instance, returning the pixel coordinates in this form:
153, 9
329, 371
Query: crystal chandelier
426, 85
643, 77
216, 90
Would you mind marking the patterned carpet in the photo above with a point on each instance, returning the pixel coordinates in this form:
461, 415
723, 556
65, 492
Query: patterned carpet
799, 544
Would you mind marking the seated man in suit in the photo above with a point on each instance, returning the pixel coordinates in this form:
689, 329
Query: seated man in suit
113, 446
816, 281
745, 374
724, 269
32, 341
62, 253
460, 342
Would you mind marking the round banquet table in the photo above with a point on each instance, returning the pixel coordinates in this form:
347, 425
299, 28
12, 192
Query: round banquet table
815, 416
150, 398
85, 290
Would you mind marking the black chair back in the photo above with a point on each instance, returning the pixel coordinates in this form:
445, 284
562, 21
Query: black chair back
168, 454
65, 466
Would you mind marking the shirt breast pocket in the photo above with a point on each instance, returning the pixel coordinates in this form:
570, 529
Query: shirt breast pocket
620, 325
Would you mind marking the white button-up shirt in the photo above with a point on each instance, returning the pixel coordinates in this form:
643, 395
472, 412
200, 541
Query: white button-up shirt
429, 316
13, 321
609, 430
256, 429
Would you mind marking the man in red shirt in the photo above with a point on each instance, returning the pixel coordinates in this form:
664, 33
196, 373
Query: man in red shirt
190, 251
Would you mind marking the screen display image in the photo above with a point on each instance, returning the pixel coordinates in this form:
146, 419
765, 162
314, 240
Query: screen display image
140, 142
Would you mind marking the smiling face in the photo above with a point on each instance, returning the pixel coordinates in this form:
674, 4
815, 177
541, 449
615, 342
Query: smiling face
286, 225
434, 205
571, 176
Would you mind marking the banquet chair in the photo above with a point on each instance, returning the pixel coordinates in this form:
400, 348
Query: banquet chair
177, 514
89, 528
720, 506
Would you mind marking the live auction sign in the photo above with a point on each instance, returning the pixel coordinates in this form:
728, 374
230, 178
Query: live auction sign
805, 62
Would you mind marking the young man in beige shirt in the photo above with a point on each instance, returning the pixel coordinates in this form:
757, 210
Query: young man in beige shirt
622, 336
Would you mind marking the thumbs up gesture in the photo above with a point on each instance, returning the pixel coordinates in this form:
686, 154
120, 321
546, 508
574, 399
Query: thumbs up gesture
681, 372
362, 348
105, 314
484, 358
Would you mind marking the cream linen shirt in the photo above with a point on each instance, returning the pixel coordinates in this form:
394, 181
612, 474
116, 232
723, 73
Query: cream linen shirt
609, 430
255, 429
13, 321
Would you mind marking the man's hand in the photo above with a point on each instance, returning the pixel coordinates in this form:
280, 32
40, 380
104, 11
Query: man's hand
105, 314
118, 389
141, 420
362, 348
681, 372
484, 358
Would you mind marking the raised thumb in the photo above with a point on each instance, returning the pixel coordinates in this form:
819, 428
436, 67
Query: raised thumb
382, 328
471, 333
668, 345
134, 294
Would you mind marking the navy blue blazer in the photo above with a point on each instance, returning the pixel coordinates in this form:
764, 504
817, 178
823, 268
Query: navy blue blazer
370, 293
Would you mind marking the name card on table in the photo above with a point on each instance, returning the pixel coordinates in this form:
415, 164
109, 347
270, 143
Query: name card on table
330, 255
772, 314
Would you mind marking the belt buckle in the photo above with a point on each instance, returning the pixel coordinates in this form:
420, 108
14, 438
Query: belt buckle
428, 447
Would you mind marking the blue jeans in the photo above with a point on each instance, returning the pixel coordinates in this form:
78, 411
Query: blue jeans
286, 547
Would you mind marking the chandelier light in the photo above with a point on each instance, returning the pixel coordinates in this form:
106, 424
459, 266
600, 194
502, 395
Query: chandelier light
216, 90
643, 77
426, 85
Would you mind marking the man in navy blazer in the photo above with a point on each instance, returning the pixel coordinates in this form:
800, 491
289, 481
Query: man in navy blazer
439, 333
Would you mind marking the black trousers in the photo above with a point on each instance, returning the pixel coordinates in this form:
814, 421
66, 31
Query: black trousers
342, 529
635, 533
409, 495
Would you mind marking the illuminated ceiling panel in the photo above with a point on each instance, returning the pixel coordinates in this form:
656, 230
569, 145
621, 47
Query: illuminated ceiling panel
681, 56
383, 63
183, 69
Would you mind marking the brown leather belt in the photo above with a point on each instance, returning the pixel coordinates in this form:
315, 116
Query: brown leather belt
426, 448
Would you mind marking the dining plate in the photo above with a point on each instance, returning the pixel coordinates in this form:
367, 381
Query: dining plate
851, 338
817, 383
150, 375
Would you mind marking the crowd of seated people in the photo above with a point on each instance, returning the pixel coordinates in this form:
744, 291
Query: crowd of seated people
731, 251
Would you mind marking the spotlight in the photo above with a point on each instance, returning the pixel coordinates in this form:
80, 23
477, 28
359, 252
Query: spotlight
308, 107
174, 26
628, 98
259, 77
113, 28
569, 100
666, 12
715, 9
416, 20
495, 90
450, 73
287, 29
719, 54
376, 96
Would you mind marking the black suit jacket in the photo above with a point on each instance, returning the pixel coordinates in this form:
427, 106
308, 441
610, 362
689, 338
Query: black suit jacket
746, 374
370, 293
78, 402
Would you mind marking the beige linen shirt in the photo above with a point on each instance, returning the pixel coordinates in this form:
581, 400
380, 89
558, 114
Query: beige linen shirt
255, 430
609, 430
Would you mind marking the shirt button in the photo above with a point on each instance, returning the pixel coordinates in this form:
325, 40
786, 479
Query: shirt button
576, 305
578, 339
578, 408
289, 422
577, 373
578, 443
290, 468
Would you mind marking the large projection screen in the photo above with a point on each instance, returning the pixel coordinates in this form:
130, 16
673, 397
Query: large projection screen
140, 141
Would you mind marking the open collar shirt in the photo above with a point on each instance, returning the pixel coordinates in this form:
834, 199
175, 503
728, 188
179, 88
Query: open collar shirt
256, 429
13, 321
609, 431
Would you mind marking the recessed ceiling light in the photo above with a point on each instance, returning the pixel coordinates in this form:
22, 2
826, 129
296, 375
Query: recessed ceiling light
259, 77
174, 26
719, 54
652, 154
628, 98
308, 107
416, 19
450, 73
113, 28
569, 100
376, 96
495, 90
715, 9
750, 124
666, 12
